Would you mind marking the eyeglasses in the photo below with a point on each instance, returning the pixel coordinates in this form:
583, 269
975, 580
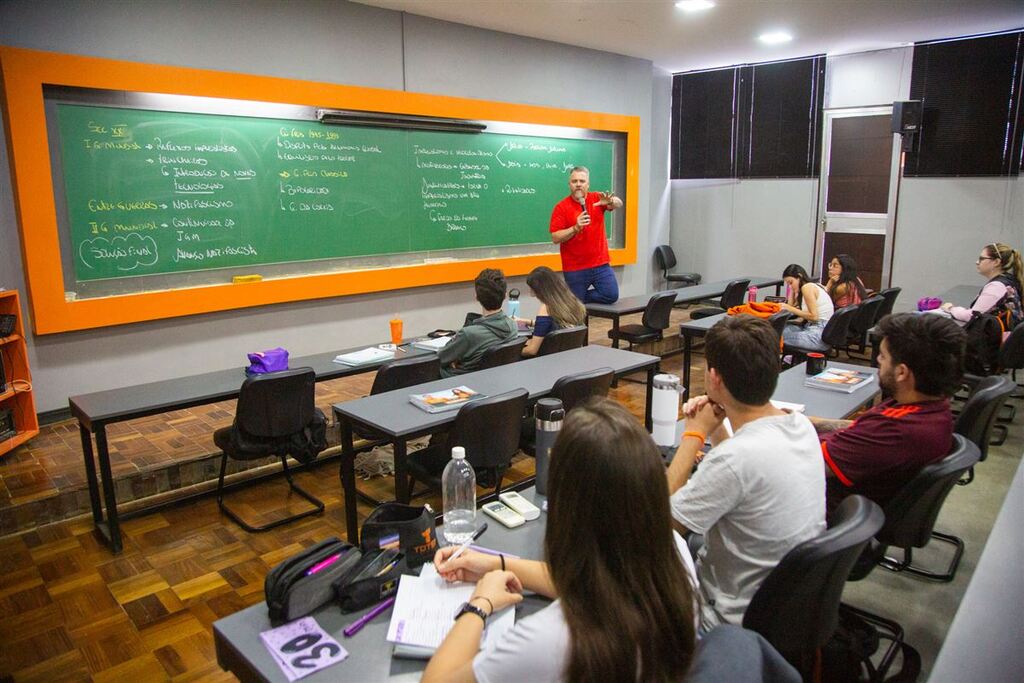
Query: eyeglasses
987, 258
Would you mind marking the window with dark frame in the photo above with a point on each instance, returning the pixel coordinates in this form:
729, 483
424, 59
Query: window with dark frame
972, 123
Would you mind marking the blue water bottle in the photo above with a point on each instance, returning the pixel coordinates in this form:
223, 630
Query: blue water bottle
513, 303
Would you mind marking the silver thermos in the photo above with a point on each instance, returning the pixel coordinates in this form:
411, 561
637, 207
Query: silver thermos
549, 413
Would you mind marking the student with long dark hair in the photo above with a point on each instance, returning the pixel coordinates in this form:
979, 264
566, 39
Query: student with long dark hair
845, 288
624, 598
559, 307
809, 302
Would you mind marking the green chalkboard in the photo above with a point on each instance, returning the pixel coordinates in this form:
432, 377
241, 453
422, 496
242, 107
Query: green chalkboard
151, 192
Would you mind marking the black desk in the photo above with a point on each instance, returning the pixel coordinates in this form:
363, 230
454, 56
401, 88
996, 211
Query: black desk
961, 295
97, 410
392, 414
686, 295
240, 650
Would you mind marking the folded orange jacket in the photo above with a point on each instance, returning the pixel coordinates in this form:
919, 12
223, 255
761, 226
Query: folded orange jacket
759, 309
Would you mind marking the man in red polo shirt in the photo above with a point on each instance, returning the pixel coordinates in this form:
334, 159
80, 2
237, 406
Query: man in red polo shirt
920, 365
577, 226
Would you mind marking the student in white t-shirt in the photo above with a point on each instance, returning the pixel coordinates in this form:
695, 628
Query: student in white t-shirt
756, 494
624, 599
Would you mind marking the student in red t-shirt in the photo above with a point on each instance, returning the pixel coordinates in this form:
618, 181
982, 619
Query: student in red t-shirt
919, 365
579, 232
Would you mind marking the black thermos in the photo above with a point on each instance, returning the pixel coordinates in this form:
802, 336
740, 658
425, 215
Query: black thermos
549, 413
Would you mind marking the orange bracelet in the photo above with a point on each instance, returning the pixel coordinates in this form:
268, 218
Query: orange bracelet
696, 435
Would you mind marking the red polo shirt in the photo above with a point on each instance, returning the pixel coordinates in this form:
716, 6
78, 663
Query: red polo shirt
885, 448
589, 248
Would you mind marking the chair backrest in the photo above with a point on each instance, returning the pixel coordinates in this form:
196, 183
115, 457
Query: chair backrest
489, 428
1011, 353
837, 329
574, 389
659, 310
502, 354
276, 404
890, 295
866, 316
406, 372
796, 608
910, 515
778, 321
734, 293
564, 339
665, 257
981, 409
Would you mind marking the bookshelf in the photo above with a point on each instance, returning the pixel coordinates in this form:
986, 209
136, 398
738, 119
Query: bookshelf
17, 395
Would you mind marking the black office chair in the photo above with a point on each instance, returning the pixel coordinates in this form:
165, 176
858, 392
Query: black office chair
666, 259
778, 321
977, 418
889, 295
488, 428
1011, 354
394, 375
571, 390
502, 354
275, 416
867, 316
796, 608
653, 324
563, 339
834, 335
734, 294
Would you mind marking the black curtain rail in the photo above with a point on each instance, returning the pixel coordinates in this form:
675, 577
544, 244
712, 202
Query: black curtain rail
383, 120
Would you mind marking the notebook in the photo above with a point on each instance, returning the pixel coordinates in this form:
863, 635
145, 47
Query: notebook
435, 344
370, 355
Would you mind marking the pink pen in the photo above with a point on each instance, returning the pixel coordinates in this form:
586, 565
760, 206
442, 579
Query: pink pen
323, 563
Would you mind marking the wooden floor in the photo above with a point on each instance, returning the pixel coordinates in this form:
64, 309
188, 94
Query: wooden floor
70, 610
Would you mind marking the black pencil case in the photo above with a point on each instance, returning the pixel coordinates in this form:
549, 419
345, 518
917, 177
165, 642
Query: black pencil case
293, 592
372, 579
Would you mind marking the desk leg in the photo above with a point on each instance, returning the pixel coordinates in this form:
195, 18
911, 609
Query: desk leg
347, 473
109, 492
401, 476
615, 330
90, 474
686, 365
649, 405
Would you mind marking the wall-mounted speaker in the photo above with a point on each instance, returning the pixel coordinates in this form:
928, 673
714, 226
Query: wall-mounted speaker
906, 117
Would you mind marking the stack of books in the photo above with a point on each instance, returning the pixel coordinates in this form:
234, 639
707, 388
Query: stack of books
370, 355
846, 381
447, 399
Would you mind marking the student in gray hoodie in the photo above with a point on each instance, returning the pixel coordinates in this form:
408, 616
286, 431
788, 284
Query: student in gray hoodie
464, 352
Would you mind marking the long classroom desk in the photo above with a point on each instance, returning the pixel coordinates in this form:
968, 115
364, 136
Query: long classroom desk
97, 410
393, 415
240, 650
686, 295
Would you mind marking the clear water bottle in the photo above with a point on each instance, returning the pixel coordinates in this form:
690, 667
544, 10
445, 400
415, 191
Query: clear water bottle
513, 303
458, 484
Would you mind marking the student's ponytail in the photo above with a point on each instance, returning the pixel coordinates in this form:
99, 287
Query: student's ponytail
1010, 262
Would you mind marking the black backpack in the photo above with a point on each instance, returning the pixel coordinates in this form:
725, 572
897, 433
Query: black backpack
984, 337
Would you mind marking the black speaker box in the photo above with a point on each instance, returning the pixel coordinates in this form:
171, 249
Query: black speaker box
7, 430
906, 117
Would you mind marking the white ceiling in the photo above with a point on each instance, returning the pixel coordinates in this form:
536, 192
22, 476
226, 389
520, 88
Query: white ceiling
726, 34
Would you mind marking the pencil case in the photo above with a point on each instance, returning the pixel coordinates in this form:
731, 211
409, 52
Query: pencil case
372, 579
305, 581
410, 528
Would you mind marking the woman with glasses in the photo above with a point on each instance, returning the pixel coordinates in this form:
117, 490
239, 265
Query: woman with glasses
845, 288
1001, 295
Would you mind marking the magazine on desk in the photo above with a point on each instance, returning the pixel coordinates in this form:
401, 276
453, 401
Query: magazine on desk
447, 399
845, 381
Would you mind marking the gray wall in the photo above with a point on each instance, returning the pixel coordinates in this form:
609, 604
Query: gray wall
728, 227
329, 41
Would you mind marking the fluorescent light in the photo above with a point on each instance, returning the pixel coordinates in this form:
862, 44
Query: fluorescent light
689, 6
775, 38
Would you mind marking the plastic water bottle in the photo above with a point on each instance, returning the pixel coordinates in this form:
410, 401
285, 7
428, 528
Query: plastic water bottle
458, 483
513, 303
751, 294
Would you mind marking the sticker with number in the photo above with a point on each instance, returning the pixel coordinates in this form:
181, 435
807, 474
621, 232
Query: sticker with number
301, 647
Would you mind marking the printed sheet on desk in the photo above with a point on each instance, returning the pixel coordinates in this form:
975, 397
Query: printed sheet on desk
425, 611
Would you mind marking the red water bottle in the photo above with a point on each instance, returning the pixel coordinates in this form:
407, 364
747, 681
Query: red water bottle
751, 294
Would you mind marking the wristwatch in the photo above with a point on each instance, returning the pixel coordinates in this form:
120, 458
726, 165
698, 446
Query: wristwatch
471, 609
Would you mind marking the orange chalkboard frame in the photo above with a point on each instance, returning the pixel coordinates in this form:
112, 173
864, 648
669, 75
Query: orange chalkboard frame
24, 73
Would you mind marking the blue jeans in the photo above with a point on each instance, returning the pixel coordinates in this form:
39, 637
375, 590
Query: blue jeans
602, 279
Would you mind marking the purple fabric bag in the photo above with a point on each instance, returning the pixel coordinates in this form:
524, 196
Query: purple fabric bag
271, 360
928, 303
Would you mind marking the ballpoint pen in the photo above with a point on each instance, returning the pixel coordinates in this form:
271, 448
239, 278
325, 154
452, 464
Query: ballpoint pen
362, 621
462, 548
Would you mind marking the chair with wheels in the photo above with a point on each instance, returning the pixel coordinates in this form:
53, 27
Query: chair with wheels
563, 339
666, 259
653, 324
977, 418
502, 354
733, 295
571, 390
796, 608
488, 428
275, 416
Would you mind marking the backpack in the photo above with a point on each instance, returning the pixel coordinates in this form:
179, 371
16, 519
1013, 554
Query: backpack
984, 337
